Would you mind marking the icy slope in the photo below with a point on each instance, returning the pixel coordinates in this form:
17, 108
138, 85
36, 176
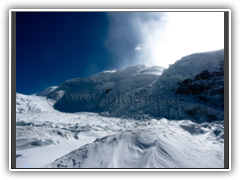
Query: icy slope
91, 93
192, 88
191, 65
153, 144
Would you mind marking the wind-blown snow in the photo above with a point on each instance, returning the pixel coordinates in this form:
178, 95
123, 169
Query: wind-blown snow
97, 141
152, 144
147, 135
44, 134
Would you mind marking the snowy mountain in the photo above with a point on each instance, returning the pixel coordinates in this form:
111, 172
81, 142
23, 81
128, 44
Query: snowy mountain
191, 88
91, 93
137, 117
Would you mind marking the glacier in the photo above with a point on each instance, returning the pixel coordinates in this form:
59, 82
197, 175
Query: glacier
183, 130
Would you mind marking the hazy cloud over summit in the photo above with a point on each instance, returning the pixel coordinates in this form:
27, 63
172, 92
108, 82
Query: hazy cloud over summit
161, 38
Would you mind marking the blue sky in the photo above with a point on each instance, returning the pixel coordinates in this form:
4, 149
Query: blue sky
56, 46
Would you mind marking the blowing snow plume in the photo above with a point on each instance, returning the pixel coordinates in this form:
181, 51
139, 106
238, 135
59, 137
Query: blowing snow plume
161, 38
127, 35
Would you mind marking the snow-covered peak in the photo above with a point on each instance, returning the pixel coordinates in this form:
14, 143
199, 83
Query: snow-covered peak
137, 72
191, 65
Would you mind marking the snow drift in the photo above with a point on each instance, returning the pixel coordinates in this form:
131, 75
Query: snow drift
153, 144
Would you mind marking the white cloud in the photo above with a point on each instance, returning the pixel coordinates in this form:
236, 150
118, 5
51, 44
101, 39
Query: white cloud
163, 37
179, 34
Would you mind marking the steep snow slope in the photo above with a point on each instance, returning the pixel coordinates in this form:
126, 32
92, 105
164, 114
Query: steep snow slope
191, 88
190, 66
91, 93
